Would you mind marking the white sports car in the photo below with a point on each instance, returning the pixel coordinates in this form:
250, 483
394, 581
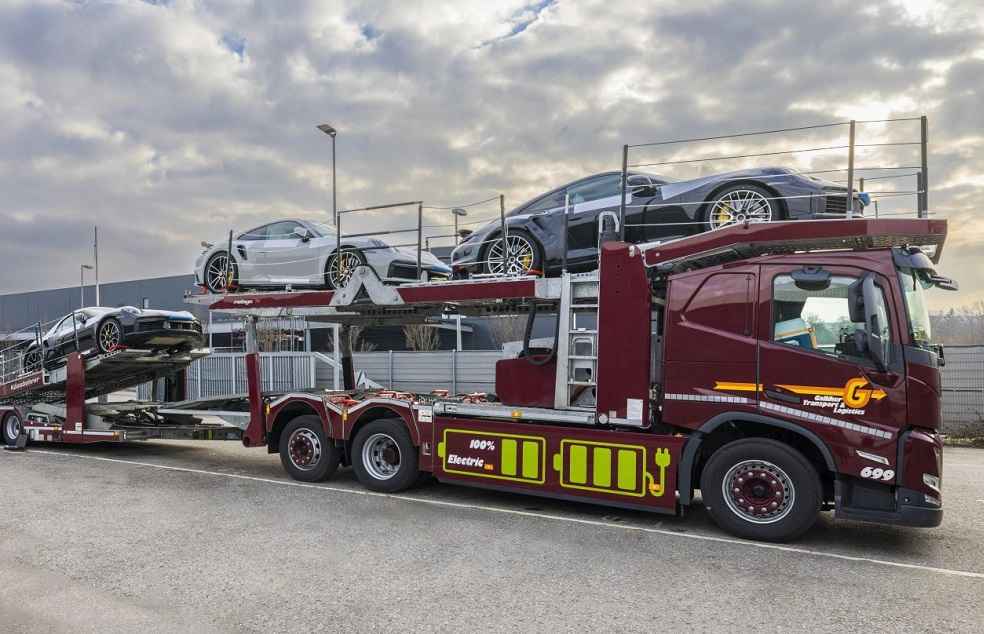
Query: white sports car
302, 253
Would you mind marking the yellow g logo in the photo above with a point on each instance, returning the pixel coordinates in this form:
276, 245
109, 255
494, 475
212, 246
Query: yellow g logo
856, 394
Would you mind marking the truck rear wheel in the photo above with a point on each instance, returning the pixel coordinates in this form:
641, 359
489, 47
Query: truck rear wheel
10, 428
383, 456
305, 452
761, 489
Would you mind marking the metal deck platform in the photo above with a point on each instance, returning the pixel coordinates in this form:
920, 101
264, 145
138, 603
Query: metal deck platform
104, 374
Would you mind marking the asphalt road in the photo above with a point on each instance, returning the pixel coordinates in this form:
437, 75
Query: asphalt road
200, 536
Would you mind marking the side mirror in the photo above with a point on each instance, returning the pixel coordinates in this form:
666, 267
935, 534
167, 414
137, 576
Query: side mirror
302, 233
876, 322
464, 233
640, 188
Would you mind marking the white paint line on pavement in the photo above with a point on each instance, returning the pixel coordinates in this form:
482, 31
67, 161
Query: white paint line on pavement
546, 516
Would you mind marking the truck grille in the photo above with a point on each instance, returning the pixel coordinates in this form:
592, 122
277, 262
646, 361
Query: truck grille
836, 204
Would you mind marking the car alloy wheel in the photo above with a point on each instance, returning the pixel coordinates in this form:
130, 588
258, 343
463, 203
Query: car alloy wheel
519, 258
109, 336
341, 266
32, 361
740, 205
216, 273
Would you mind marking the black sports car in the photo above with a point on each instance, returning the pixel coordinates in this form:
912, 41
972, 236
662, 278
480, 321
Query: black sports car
656, 208
105, 329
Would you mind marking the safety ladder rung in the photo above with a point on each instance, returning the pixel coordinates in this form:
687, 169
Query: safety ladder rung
590, 383
582, 356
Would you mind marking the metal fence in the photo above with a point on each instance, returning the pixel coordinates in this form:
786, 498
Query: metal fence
224, 374
458, 372
963, 390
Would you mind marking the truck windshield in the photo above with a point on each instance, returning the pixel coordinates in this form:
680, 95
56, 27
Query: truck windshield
914, 287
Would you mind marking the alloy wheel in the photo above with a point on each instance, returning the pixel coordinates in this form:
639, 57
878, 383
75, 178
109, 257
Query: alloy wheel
519, 258
109, 336
758, 491
305, 449
341, 266
381, 456
738, 206
216, 273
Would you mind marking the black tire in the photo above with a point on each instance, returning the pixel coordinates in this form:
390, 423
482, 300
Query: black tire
390, 453
104, 338
306, 454
31, 361
535, 265
13, 421
346, 252
763, 196
780, 486
212, 285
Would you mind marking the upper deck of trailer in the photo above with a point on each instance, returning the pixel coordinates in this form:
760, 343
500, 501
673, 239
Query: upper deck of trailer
365, 299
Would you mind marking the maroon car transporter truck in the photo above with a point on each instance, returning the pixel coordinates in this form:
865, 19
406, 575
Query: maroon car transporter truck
780, 369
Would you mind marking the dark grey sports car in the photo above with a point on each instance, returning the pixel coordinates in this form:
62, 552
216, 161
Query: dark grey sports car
105, 329
656, 208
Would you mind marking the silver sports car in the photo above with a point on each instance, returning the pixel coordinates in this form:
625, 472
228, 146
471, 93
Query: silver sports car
302, 253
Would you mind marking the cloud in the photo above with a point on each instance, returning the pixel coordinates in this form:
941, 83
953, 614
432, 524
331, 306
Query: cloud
166, 123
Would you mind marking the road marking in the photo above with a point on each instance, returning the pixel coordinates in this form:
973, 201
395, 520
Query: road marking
546, 516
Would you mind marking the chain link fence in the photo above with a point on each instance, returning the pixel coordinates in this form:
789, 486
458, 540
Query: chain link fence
963, 390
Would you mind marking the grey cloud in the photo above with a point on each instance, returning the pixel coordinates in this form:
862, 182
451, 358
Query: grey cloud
168, 122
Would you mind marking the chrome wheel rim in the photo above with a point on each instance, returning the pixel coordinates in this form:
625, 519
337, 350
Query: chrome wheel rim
758, 492
215, 273
341, 266
304, 448
32, 360
740, 205
12, 426
109, 336
519, 258
381, 456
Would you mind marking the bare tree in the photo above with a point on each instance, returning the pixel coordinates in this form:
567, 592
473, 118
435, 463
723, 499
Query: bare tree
421, 337
505, 329
964, 325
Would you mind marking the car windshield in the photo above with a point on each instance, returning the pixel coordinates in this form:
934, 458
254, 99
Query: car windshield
914, 286
323, 228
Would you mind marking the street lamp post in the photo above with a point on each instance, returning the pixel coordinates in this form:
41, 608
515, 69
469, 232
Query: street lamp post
330, 131
95, 257
82, 270
457, 212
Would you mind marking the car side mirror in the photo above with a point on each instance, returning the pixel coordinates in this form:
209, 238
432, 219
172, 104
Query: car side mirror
464, 233
302, 233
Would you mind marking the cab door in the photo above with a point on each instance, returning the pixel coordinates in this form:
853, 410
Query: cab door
815, 370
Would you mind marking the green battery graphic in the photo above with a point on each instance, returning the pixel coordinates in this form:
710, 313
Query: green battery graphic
494, 455
610, 468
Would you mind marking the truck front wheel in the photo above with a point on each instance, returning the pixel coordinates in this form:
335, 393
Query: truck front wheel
305, 452
383, 456
761, 489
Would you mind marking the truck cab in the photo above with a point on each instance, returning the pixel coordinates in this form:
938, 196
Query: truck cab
825, 356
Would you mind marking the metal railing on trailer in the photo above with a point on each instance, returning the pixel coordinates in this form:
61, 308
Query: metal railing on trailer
826, 149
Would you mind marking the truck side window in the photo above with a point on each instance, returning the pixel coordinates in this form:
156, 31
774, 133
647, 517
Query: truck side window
722, 303
817, 320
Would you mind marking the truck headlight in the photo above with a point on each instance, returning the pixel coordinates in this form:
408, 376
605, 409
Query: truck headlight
932, 481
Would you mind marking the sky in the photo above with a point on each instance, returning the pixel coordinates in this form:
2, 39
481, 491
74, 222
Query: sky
171, 122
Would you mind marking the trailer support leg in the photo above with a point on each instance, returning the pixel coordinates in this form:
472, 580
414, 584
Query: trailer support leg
345, 348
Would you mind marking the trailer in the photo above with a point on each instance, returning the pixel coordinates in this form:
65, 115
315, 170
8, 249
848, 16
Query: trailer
689, 365
54, 405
